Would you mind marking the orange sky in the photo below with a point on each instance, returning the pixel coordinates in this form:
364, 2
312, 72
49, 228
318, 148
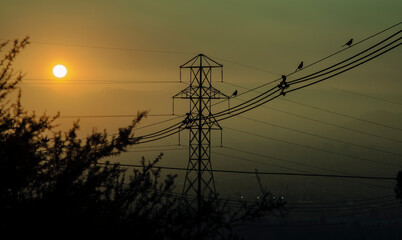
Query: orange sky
148, 41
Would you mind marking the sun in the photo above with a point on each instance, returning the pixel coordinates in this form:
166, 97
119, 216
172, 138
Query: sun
59, 71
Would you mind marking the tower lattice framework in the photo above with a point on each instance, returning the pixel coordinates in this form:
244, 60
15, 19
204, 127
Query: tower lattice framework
199, 179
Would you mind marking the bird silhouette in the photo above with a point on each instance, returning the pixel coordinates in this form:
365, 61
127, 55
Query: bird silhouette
349, 43
187, 120
283, 85
234, 94
299, 67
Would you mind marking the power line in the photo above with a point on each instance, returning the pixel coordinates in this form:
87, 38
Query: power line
347, 69
323, 137
160, 122
192, 53
362, 204
322, 59
344, 115
277, 159
146, 50
324, 206
314, 148
251, 104
270, 94
320, 72
247, 66
174, 127
331, 124
314, 75
288, 161
292, 162
357, 43
351, 205
254, 104
326, 123
158, 135
90, 82
364, 95
270, 173
261, 99
156, 150
109, 48
160, 146
113, 116
233, 203
249, 160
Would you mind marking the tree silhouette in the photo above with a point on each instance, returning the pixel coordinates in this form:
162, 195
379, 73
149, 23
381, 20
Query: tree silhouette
54, 179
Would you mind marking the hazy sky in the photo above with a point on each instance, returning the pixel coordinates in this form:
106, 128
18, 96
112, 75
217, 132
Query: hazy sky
256, 41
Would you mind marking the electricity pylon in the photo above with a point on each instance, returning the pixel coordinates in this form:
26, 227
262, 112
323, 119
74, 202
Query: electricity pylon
199, 179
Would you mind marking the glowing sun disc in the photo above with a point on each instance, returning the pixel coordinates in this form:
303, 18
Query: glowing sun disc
59, 71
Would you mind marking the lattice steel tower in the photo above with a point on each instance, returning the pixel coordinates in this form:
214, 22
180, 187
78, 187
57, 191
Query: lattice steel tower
199, 179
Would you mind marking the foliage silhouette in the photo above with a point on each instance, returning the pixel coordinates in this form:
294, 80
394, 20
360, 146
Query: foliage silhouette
53, 179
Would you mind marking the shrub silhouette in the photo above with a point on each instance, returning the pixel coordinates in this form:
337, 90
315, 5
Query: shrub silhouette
53, 179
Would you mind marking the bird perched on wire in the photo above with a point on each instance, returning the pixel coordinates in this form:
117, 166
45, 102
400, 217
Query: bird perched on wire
283, 85
234, 94
299, 67
349, 43
187, 120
